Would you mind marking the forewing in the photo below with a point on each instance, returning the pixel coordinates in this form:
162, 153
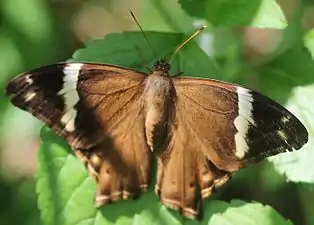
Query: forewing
98, 109
239, 124
217, 129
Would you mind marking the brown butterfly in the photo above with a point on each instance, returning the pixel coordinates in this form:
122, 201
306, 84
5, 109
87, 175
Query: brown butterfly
117, 119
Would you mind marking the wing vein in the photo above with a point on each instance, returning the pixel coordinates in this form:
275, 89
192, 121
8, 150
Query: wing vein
119, 110
212, 110
112, 92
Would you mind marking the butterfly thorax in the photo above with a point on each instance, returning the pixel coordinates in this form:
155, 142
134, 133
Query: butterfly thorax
159, 95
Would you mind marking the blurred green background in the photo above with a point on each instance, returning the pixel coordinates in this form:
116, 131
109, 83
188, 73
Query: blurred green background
38, 32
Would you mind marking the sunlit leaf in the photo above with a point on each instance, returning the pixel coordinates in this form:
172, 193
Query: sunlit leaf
295, 165
131, 50
288, 78
255, 13
309, 42
240, 212
269, 15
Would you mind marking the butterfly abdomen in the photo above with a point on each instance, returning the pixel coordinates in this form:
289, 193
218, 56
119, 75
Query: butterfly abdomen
158, 107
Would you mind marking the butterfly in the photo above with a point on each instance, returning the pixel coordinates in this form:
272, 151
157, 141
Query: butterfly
118, 120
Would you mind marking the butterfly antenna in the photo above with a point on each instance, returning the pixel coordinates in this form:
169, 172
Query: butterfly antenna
187, 40
139, 26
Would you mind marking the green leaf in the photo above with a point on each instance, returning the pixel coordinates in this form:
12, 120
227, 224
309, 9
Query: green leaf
291, 65
295, 165
240, 212
165, 15
269, 15
33, 12
130, 49
291, 69
309, 42
256, 13
60, 182
297, 66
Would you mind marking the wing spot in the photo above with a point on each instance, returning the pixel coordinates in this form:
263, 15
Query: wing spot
222, 180
285, 119
29, 96
282, 134
96, 161
243, 120
92, 170
68, 119
29, 80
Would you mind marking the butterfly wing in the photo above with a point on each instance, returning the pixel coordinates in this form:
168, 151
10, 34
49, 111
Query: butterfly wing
217, 129
98, 109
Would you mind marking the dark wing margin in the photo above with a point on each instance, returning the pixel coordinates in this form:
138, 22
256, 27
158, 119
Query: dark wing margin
276, 129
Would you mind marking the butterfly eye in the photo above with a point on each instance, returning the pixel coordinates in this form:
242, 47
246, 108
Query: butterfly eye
167, 66
156, 65
162, 65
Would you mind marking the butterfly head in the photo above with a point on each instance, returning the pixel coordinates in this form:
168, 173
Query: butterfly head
162, 66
